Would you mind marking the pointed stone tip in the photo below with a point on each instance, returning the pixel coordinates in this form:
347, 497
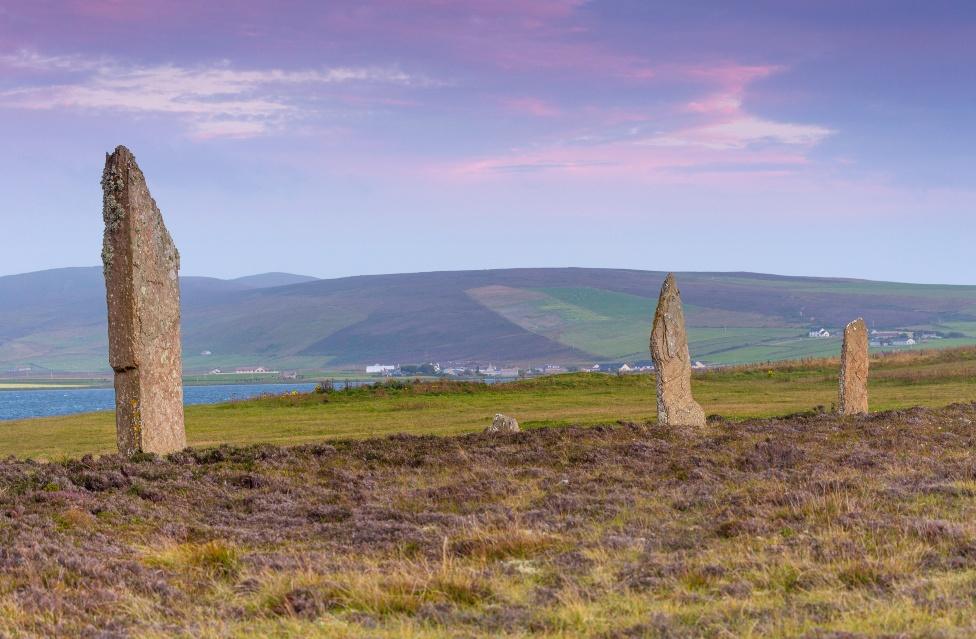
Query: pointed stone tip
120, 154
669, 284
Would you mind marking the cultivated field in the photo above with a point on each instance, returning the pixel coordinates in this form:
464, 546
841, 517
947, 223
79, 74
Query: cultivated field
593, 523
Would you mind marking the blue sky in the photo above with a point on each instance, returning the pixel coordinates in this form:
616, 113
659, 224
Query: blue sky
342, 138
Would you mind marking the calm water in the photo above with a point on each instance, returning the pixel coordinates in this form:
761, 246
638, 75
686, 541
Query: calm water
47, 402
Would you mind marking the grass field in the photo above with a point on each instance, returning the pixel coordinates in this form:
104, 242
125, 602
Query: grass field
909, 379
613, 325
593, 523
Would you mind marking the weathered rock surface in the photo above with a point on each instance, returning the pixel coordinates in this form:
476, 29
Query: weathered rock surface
672, 361
503, 424
143, 292
854, 370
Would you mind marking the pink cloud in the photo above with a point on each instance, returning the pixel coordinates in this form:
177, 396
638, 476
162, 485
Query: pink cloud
531, 106
721, 139
654, 164
730, 77
719, 103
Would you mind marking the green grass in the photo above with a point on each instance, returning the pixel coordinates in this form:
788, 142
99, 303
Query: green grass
613, 325
590, 320
908, 379
859, 287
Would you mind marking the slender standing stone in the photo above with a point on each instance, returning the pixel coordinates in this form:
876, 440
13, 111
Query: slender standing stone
854, 369
143, 292
672, 362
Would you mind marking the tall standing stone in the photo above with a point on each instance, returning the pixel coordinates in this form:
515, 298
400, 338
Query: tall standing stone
672, 361
854, 369
143, 291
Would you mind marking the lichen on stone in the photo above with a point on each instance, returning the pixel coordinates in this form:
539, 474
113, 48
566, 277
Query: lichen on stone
108, 254
112, 211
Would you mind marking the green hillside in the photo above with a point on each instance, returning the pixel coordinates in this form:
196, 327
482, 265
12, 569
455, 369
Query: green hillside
56, 319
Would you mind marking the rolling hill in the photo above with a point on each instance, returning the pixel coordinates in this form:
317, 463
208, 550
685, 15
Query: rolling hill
56, 318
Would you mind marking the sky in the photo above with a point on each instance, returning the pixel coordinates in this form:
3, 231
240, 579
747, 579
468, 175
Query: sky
828, 138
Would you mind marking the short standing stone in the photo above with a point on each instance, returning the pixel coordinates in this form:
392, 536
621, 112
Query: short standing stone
854, 370
143, 291
672, 361
503, 424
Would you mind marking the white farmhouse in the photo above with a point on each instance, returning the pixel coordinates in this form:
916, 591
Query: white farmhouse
253, 370
380, 369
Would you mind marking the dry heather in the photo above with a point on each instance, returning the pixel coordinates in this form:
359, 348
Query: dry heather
809, 526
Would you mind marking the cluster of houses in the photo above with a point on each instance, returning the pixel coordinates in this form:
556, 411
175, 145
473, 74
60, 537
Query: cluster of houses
885, 338
892, 338
433, 368
471, 370
640, 366
256, 370
245, 370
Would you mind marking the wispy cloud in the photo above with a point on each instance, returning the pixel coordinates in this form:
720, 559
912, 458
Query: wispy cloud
709, 135
212, 101
741, 133
723, 121
531, 106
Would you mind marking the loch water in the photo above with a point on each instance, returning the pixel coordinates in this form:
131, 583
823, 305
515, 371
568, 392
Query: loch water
48, 402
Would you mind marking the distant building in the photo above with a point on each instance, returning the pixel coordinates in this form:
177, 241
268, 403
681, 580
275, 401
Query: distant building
698, 365
821, 333
625, 369
610, 367
493, 371
253, 370
380, 369
888, 334
892, 338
